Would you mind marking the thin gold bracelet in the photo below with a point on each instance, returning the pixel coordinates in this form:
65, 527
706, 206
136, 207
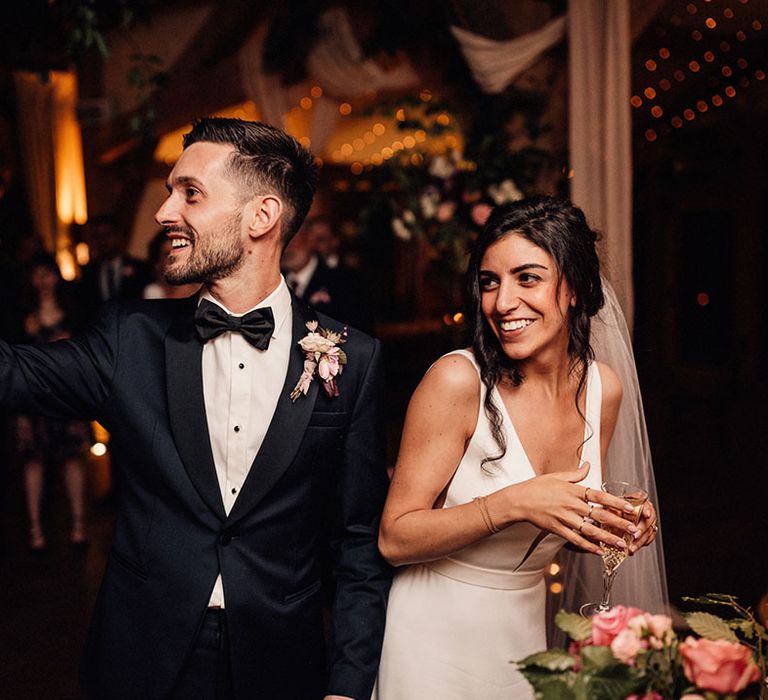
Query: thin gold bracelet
480, 500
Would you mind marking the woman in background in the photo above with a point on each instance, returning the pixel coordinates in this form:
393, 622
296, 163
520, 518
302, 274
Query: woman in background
42, 441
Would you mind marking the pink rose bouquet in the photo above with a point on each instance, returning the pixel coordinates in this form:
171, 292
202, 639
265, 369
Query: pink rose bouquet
629, 654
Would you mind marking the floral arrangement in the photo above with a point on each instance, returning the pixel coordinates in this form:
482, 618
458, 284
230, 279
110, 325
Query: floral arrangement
323, 357
629, 654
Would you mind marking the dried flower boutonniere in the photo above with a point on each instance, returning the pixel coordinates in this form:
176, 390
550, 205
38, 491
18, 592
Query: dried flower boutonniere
322, 356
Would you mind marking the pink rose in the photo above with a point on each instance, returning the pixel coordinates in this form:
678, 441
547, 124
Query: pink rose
652, 695
605, 626
480, 213
692, 696
445, 211
625, 646
721, 666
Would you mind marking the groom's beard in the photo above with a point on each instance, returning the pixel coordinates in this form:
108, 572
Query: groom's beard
210, 257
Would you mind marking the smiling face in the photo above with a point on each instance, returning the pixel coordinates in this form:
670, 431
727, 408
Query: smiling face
521, 301
203, 216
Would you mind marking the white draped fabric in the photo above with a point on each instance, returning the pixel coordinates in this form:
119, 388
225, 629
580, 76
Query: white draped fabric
336, 64
600, 131
599, 114
495, 64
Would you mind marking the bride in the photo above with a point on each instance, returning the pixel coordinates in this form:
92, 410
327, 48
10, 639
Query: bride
501, 460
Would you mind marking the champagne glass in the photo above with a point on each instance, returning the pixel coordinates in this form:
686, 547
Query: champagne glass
613, 556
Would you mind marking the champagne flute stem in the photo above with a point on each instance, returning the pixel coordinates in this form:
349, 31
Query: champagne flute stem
605, 601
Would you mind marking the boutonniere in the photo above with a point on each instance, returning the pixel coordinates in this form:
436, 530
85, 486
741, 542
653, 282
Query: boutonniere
322, 356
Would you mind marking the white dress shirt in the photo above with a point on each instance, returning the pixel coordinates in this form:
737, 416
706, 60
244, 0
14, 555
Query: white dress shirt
241, 386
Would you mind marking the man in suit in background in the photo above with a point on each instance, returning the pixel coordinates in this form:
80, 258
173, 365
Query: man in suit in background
235, 486
111, 273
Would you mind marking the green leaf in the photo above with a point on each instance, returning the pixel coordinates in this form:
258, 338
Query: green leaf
576, 626
611, 687
551, 659
710, 626
746, 627
553, 688
598, 658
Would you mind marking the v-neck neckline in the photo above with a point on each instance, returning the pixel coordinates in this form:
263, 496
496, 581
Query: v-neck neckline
513, 430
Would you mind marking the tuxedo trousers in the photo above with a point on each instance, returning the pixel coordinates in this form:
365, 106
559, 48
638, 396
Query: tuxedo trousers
207, 672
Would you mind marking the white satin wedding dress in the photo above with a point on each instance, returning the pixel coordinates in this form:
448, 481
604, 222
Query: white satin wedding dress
456, 625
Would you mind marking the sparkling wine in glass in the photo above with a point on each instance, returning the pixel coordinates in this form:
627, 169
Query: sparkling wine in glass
613, 556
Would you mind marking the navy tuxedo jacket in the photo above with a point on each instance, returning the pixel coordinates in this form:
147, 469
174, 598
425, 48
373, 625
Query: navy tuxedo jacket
317, 485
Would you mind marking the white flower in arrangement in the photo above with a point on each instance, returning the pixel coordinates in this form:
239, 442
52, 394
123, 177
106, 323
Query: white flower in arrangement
401, 230
441, 167
428, 205
505, 192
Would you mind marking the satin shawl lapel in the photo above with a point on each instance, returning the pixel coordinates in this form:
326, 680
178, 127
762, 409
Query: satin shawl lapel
287, 427
186, 407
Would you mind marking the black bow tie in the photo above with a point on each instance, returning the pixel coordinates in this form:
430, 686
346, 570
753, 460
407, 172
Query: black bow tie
256, 326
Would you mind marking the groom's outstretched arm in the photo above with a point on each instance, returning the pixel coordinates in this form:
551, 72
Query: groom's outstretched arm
68, 378
362, 576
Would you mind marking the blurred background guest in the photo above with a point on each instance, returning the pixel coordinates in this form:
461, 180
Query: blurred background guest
159, 288
330, 290
111, 272
43, 442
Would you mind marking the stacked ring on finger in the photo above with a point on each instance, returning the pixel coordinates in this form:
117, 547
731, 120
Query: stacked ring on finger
584, 521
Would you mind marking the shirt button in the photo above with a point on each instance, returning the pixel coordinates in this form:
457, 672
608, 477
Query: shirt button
241, 365
234, 491
237, 428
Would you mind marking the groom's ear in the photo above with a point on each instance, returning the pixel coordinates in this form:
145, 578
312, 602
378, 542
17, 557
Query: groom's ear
264, 214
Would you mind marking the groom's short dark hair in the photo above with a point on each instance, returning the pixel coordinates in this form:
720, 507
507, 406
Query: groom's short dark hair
267, 160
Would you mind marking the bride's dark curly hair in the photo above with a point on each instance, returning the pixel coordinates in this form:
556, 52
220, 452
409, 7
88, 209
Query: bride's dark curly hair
560, 228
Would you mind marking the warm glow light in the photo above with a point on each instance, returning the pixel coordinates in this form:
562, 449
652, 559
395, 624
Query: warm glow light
742, 63
650, 64
692, 9
346, 149
696, 35
387, 152
458, 318
316, 91
443, 119
756, 25
679, 76
397, 146
709, 56
359, 144
728, 13
717, 100
677, 122
68, 151
420, 135
409, 141
400, 115
376, 159
304, 141
556, 587
694, 66
664, 84
99, 449
554, 569
664, 53
702, 299
657, 111
650, 135
345, 109
702, 106
730, 91
369, 137
689, 114
82, 253
636, 101
741, 36
726, 71
649, 92
66, 262
378, 128
356, 168
425, 95
760, 75
710, 22
305, 103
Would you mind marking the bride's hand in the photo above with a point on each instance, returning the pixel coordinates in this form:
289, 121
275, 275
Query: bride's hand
648, 528
558, 503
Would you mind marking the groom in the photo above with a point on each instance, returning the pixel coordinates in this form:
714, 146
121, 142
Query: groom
233, 490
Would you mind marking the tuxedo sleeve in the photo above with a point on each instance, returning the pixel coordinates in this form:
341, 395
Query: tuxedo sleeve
68, 378
362, 576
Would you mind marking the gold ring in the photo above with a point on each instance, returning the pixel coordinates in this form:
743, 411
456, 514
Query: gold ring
589, 512
655, 527
583, 522
586, 491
